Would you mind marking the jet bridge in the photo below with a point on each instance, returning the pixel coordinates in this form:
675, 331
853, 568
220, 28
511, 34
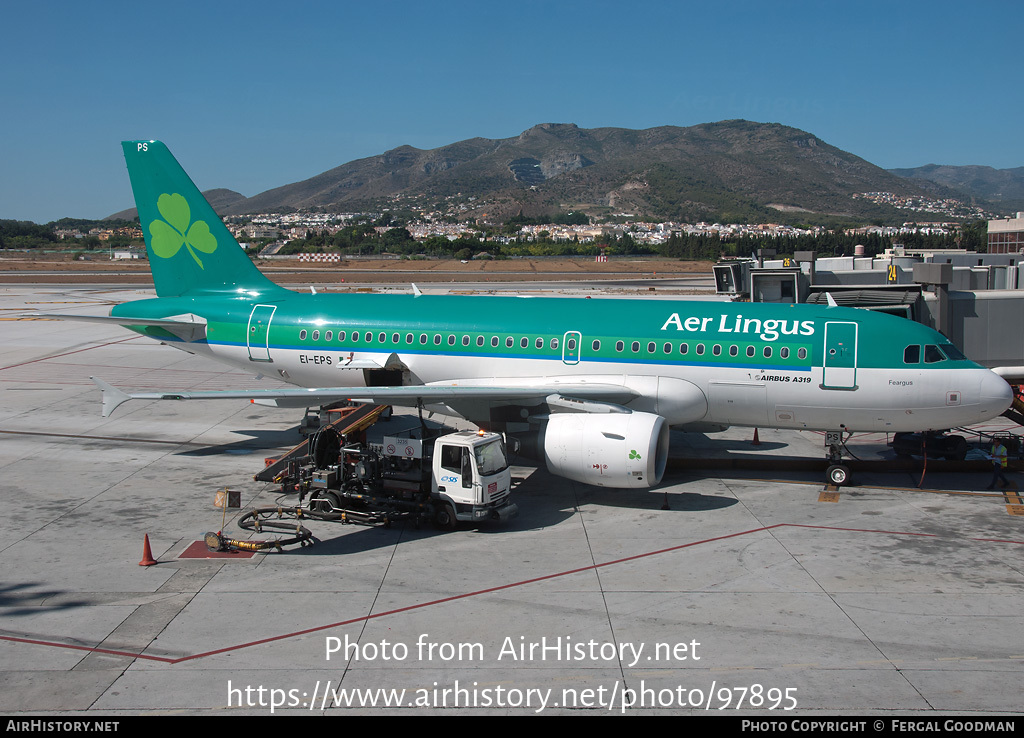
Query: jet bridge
974, 299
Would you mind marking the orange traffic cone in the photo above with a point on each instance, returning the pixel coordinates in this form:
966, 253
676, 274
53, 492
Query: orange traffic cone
756, 441
147, 554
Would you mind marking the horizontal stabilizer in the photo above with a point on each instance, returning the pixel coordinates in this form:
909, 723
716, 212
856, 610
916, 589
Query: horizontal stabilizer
187, 330
110, 319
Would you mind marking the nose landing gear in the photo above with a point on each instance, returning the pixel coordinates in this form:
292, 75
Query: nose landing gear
838, 473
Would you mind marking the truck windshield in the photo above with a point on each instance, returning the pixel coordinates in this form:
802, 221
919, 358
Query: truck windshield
490, 458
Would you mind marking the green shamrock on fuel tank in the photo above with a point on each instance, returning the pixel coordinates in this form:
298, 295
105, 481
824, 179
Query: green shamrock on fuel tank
177, 230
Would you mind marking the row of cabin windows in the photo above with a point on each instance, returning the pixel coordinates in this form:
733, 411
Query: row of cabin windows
932, 353
716, 349
424, 339
620, 346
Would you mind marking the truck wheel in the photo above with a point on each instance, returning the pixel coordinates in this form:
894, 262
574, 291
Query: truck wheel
444, 518
325, 503
839, 475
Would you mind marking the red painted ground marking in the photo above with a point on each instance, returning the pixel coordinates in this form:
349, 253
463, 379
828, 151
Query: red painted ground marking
453, 598
86, 648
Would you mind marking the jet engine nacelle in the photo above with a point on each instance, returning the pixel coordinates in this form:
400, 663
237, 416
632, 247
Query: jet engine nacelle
608, 450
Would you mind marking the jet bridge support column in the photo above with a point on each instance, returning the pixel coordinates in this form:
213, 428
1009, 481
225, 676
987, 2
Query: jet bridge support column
807, 257
939, 276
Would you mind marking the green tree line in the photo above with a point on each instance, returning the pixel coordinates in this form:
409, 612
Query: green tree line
363, 239
24, 234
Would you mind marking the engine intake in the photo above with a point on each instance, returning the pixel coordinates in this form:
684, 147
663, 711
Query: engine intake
624, 450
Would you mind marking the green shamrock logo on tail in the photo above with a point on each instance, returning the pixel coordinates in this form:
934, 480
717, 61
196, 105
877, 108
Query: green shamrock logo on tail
177, 230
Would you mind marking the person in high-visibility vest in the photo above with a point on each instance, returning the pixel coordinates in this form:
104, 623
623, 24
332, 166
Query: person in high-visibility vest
999, 459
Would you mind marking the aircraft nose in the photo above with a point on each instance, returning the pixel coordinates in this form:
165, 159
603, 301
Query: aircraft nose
995, 391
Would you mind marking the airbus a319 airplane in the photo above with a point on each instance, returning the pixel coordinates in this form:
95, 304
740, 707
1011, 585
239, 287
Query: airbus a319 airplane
593, 384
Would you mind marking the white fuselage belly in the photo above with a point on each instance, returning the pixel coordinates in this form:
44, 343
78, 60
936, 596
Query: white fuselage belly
888, 400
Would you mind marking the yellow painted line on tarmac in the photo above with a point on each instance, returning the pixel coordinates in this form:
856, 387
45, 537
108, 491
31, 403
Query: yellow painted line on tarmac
1014, 504
968, 493
734, 668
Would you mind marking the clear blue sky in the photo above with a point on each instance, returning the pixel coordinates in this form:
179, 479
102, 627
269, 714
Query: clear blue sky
252, 95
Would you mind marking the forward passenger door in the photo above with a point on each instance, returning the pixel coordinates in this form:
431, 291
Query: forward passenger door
840, 364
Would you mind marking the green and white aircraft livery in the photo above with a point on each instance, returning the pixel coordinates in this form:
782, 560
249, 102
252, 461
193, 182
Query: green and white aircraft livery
593, 385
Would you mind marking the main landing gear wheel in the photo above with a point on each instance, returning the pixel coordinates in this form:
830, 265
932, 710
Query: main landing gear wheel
839, 474
956, 448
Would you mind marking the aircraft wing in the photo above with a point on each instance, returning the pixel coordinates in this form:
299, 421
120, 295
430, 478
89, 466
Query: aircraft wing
589, 397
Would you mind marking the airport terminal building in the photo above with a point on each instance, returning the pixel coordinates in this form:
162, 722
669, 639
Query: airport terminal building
1006, 236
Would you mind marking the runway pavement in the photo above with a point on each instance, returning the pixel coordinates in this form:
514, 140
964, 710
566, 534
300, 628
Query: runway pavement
753, 591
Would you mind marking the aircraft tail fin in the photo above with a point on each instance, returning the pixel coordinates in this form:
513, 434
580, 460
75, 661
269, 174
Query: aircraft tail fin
190, 249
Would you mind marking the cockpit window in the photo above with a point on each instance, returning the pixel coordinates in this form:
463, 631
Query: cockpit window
932, 354
953, 352
912, 354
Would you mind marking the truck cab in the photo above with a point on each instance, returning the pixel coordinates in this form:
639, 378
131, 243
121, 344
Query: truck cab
471, 478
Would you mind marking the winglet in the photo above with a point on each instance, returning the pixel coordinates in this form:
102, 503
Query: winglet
112, 396
831, 300
415, 290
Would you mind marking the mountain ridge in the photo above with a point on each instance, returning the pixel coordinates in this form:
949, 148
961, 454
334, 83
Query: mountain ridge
219, 198
726, 170
729, 171
1002, 186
